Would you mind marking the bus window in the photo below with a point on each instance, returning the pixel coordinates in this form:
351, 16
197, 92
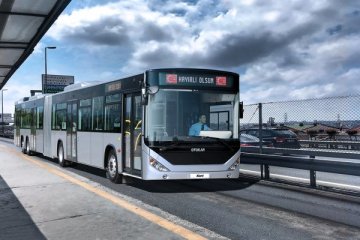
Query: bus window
170, 120
60, 120
98, 113
25, 117
53, 116
39, 117
84, 119
59, 116
113, 98
112, 117
113, 113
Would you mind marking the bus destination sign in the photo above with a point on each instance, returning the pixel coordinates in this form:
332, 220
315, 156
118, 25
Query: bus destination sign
195, 80
110, 87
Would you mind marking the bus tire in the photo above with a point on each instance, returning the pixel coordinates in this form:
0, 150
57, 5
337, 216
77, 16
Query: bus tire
22, 143
27, 147
60, 155
112, 171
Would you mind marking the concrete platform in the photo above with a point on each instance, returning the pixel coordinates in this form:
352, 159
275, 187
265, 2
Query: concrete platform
41, 201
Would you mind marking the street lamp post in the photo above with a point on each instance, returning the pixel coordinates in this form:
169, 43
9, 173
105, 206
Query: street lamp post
45, 77
2, 109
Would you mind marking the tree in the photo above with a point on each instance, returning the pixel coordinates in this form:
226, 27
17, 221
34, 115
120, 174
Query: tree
331, 133
312, 133
351, 133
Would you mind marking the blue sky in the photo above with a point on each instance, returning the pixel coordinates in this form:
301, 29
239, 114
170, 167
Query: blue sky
282, 50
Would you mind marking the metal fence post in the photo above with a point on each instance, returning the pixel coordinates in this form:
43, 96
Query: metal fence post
260, 128
267, 171
263, 168
312, 176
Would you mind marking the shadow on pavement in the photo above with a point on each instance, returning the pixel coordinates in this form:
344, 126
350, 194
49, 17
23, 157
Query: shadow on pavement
183, 186
15, 222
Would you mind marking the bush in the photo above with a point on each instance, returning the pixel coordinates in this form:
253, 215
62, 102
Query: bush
312, 133
351, 132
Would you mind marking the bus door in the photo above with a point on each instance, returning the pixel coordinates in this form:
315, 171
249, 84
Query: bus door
132, 134
71, 131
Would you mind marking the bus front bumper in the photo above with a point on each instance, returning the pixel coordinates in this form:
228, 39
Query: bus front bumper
156, 175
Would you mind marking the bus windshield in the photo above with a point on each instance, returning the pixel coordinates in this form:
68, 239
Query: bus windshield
176, 114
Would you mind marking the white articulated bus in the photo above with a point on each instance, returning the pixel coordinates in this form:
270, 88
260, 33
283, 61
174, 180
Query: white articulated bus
139, 126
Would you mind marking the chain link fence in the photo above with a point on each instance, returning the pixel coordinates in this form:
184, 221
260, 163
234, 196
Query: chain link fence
331, 124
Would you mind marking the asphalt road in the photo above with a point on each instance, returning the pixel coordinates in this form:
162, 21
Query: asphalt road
245, 209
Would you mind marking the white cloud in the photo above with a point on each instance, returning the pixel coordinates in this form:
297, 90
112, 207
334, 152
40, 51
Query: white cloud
116, 22
39, 48
314, 91
292, 50
14, 93
271, 16
327, 68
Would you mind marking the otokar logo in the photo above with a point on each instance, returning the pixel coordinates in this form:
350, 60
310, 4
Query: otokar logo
198, 150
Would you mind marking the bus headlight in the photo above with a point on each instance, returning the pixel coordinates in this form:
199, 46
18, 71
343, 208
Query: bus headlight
158, 166
235, 165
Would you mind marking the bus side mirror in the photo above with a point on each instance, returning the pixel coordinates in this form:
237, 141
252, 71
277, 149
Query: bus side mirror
144, 96
241, 110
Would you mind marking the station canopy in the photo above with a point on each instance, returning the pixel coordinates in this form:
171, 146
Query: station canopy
22, 24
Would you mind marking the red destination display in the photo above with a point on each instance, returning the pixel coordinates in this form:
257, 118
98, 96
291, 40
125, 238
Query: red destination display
221, 81
171, 78
195, 80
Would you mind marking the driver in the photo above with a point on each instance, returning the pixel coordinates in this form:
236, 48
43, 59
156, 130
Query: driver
199, 126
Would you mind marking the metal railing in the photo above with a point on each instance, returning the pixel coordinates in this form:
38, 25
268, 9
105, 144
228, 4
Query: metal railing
304, 163
311, 152
339, 145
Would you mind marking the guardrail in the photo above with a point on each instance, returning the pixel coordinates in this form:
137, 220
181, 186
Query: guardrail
334, 153
301, 159
341, 145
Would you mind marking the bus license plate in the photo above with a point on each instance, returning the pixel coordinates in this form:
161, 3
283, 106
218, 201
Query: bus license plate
199, 175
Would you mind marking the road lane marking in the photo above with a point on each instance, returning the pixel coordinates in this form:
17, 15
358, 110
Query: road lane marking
162, 222
332, 184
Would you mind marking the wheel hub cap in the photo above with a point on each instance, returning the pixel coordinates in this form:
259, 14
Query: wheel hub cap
112, 166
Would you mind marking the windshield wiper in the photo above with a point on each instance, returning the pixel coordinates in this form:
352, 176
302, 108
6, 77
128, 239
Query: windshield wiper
220, 141
171, 146
177, 142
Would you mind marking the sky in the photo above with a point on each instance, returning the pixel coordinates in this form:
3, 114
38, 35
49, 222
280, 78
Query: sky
283, 50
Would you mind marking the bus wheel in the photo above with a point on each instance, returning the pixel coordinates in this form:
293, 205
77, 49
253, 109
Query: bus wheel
62, 161
112, 168
23, 148
27, 148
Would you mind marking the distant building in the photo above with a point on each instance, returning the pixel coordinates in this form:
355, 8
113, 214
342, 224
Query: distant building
354, 131
298, 128
316, 130
321, 128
